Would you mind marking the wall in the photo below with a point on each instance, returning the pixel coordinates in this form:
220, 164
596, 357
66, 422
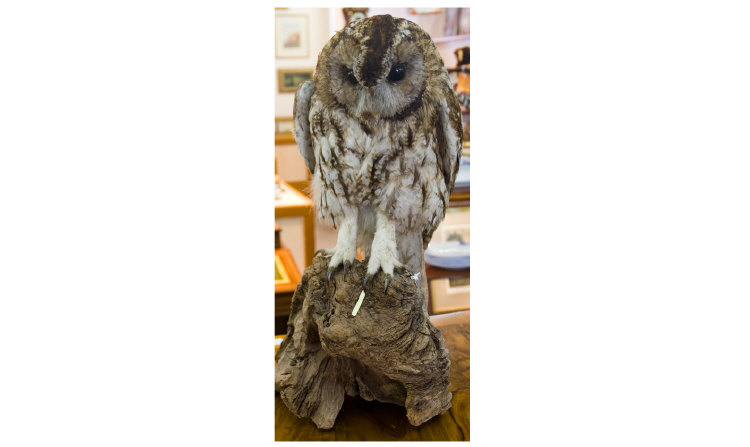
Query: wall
290, 164
319, 25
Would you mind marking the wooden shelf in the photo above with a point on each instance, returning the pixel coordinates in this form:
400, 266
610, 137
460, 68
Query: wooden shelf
293, 203
284, 138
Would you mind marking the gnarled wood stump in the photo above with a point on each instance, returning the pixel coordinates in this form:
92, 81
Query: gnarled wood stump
389, 351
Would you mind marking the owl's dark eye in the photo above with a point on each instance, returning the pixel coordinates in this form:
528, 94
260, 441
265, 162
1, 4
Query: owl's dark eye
398, 72
350, 77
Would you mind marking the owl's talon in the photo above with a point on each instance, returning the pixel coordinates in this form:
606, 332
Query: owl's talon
387, 282
347, 264
330, 270
364, 283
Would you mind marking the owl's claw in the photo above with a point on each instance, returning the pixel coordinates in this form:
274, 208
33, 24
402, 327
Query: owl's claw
364, 283
388, 278
333, 268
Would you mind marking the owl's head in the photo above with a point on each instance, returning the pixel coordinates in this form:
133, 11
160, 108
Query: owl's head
377, 67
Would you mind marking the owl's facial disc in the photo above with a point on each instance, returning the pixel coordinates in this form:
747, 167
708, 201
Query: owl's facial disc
400, 84
378, 72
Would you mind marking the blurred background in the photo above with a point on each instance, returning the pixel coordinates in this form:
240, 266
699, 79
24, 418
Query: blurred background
300, 34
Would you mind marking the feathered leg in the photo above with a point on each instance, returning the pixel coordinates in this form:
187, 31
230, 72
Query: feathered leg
346, 245
383, 251
366, 229
410, 250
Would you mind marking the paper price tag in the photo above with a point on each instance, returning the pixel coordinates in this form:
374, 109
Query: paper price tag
359, 303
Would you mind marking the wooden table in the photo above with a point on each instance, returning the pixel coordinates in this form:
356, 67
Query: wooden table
295, 204
360, 420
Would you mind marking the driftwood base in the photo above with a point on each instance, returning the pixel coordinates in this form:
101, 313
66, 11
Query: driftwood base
388, 352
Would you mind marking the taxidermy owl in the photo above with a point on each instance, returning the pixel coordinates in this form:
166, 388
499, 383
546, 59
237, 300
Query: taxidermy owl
379, 127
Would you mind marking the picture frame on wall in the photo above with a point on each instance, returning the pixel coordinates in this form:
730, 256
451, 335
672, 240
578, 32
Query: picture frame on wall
292, 36
450, 295
460, 233
289, 79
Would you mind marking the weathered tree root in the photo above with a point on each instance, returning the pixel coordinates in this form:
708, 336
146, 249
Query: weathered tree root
389, 351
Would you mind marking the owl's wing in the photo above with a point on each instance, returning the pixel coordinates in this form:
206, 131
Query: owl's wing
302, 123
450, 133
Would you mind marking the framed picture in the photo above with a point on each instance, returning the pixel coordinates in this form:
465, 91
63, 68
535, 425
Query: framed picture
280, 274
284, 131
460, 233
455, 227
450, 295
292, 36
286, 275
291, 78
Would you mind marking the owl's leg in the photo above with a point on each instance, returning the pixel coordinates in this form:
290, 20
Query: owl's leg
383, 252
365, 229
346, 245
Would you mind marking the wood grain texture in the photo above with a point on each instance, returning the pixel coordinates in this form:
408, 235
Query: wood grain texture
389, 352
360, 420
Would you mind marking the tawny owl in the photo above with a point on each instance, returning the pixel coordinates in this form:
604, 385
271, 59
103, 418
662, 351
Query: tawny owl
379, 127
